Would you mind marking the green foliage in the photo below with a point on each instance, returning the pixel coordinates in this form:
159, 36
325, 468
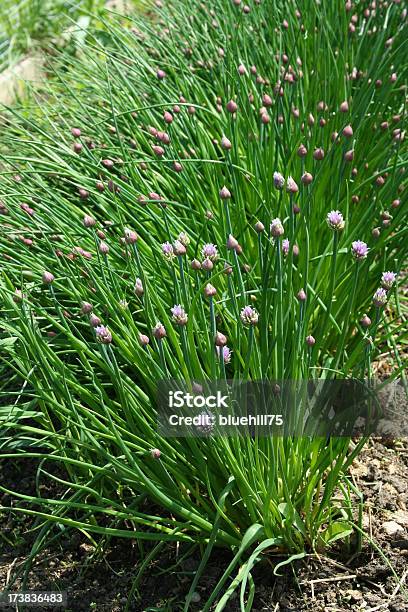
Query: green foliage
90, 406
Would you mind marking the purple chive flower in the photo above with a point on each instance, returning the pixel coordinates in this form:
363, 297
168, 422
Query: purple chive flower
285, 246
155, 453
159, 331
278, 180
335, 220
209, 251
380, 298
359, 249
249, 316
138, 288
259, 227
167, 250
225, 353
276, 228
310, 341
103, 334
388, 279
179, 315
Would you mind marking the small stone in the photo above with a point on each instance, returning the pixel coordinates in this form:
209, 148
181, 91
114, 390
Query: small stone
195, 597
392, 528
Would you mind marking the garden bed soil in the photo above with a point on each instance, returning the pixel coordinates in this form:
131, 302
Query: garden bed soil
345, 581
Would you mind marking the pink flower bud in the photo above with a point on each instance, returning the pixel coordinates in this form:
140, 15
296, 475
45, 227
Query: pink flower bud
348, 131
88, 221
157, 150
302, 151
143, 340
159, 331
220, 339
224, 193
47, 278
86, 308
108, 163
94, 320
232, 242
365, 321
344, 107
103, 248
225, 143
232, 106
207, 265
76, 132
195, 264
318, 154
209, 290
307, 178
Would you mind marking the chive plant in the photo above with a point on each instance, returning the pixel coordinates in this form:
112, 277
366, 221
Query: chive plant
211, 191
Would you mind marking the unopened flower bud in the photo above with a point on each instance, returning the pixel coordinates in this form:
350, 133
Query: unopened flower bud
138, 288
232, 243
232, 106
224, 193
195, 264
307, 178
225, 143
86, 308
276, 228
220, 339
209, 290
47, 278
348, 131
159, 331
103, 248
365, 321
143, 340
